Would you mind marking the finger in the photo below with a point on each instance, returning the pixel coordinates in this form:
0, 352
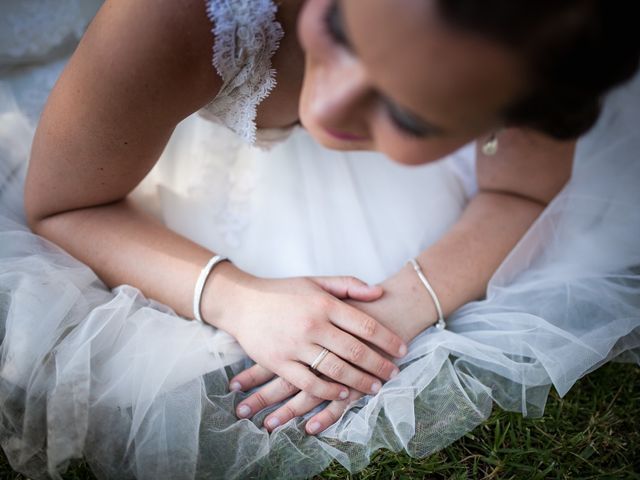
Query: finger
250, 378
272, 393
299, 405
336, 369
357, 353
305, 380
349, 287
330, 415
358, 323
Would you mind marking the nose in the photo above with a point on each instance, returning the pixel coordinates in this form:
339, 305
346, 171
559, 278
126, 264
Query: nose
342, 95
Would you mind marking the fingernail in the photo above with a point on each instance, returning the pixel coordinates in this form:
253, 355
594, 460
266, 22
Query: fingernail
314, 427
344, 394
244, 411
375, 387
235, 387
402, 350
273, 422
394, 373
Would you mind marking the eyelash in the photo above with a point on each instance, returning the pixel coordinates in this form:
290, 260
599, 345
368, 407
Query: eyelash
333, 24
404, 122
333, 27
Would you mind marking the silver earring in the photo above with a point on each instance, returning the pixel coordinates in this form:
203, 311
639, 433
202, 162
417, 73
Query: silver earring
490, 147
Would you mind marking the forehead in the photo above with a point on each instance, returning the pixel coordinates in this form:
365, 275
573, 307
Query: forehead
414, 57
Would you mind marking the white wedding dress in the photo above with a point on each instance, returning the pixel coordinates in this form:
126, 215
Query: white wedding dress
142, 393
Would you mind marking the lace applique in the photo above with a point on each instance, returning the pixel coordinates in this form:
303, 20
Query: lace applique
247, 35
225, 182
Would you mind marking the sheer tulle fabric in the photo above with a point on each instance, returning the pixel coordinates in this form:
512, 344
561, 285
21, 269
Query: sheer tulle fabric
142, 393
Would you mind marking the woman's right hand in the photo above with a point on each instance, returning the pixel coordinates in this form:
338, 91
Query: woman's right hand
284, 324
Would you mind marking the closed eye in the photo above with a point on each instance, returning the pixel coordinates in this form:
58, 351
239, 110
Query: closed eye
407, 122
403, 120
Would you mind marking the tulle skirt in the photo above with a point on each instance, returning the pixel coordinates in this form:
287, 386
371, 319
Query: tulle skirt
143, 393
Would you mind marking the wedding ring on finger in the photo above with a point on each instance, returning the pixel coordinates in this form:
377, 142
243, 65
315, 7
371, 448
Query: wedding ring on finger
318, 359
337, 370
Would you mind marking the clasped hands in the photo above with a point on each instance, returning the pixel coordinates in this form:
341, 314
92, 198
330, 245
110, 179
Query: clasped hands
284, 325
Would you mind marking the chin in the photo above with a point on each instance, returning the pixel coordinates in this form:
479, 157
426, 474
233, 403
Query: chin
327, 141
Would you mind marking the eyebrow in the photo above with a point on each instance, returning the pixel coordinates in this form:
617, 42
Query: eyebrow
338, 27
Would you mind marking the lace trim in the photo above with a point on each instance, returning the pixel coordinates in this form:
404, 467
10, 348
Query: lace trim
247, 35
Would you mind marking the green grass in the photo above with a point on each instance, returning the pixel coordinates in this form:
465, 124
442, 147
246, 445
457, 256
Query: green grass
594, 432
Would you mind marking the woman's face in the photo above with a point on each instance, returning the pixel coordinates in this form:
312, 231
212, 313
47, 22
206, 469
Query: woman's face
391, 76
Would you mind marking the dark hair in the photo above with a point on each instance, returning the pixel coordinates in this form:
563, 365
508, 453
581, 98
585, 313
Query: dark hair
575, 51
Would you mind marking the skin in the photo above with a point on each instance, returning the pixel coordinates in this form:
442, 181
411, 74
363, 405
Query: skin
129, 83
454, 80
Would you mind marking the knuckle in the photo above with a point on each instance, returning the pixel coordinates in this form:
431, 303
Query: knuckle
395, 341
251, 377
364, 384
356, 352
369, 327
309, 325
259, 400
324, 390
331, 415
327, 305
382, 368
306, 384
311, 398
289, 412
288, 387
350, 280
324, 302
336, 370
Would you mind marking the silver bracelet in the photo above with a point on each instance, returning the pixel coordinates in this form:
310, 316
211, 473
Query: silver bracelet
202, 279
441, 324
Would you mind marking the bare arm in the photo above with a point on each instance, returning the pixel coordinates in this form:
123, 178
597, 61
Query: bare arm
103, 128
514, 188
142, 67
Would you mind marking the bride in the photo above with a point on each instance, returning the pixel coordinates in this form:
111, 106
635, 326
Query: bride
142, 392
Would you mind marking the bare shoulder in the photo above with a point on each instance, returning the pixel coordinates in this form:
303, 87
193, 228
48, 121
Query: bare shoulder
528, 164
141, 67
151, 43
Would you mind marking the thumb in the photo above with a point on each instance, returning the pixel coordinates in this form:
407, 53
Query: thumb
346, 287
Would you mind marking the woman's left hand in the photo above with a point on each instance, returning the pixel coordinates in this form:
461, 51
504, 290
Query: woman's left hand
399, 309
